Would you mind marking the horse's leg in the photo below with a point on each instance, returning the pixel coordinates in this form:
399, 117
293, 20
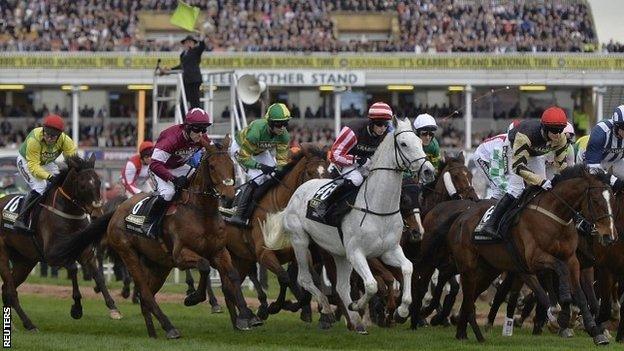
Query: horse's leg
343, 287
156, 277
434, 304
419, 289
587, 283
231, 286
511, 306
605, 282
501, 293
449, 300
76, 309
190, 283
11, 279
251, 270
99, 257
468, 285
88, 263
396, 258
300, 243
212, 299
579, 299
543, 301
360, 265
268, 259
140, 274
306, 297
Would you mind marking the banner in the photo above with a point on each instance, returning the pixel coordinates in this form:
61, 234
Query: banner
321, 61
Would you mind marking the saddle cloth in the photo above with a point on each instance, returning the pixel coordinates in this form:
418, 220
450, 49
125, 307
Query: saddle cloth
509, 219
11, 210
335, 210
139, 215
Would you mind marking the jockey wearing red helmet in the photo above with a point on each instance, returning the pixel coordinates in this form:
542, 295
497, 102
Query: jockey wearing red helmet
135, 174
354, 146
168, 165
35, 161
530, 140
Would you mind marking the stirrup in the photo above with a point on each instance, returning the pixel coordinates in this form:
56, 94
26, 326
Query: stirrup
229, 212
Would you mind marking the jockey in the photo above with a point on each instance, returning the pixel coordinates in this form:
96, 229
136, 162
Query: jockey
261, 149
551, 169
135, 174
35, 161
530, 140
605, 147
490, 157
174, 147
425, 126
353, 148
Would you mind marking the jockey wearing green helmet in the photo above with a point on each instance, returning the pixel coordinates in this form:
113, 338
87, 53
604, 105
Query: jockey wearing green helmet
261, 149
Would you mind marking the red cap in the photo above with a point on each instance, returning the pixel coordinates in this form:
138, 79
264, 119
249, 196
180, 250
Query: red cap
54, 121
554, 116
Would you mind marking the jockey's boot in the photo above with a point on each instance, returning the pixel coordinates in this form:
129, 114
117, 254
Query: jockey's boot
152, 222
346, 187
244, 205
491, 226
22, 222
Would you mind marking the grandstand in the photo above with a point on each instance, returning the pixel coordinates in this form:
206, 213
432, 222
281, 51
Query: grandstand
472, 64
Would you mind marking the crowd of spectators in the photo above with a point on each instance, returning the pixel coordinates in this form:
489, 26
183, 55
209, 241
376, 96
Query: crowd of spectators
304, 25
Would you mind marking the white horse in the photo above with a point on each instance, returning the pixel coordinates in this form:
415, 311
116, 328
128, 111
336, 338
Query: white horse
372, 229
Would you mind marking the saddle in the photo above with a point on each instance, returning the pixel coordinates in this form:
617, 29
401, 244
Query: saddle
509, 219
140, 217
337, 209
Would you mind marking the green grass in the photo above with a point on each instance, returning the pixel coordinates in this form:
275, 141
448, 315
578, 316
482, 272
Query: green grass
204, 331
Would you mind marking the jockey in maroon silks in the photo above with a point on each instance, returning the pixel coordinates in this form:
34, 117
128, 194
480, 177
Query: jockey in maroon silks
169, 167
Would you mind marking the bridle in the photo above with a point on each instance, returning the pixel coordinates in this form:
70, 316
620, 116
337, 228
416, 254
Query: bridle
212, 191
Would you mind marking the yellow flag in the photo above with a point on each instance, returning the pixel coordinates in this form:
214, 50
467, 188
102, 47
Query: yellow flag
185, 16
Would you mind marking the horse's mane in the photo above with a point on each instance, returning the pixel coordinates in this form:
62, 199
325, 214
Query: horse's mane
578, 171
73, 162
307, 149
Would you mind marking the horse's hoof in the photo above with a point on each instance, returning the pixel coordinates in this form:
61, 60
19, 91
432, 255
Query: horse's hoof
552, 326
537, 330
306, 316
255, 321
32, 330
190, 291
361, 329
326, 321
242, 324
76, 312
193, 299
115, 314
398, 318
453, 319
291, 306
601, 339
461, 336
439, 320
353, 307
263, 312
216, 309
274, 308
173, 334
566, 333
487, 327
518, 322
125, 293
97, 289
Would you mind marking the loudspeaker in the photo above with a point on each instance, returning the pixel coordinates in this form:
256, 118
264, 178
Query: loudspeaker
249, 89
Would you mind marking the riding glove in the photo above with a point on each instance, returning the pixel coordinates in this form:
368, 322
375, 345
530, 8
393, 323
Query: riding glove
180, 182
266, 169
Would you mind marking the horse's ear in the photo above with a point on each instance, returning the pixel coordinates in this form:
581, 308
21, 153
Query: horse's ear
395, 122
460, 157
226, 142
91, 160
71, 173
445, 155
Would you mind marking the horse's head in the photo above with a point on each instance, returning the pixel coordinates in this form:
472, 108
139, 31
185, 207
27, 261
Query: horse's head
408, 149
316, 162
593, 198
455, 175
82, 184
215, 172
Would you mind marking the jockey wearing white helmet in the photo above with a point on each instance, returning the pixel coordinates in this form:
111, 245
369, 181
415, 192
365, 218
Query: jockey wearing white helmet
426, 126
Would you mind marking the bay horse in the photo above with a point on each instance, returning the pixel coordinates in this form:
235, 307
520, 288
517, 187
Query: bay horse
371, 229
545, 237
247, 245
192, 237
64, 209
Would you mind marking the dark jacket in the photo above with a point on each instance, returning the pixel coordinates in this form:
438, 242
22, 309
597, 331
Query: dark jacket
189, 63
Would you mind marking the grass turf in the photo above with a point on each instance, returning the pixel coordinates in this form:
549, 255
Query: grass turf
204, 331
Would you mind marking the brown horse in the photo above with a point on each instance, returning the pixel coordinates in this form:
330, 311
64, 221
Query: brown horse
192, 237
64, 209
544, 237
247, 245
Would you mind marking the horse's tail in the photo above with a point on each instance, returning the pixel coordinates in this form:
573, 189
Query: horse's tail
275, 237
67, 248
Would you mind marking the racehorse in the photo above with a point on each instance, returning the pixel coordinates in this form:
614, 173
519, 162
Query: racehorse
372, 228
64, 209
192, 237
247, 244
544, 237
